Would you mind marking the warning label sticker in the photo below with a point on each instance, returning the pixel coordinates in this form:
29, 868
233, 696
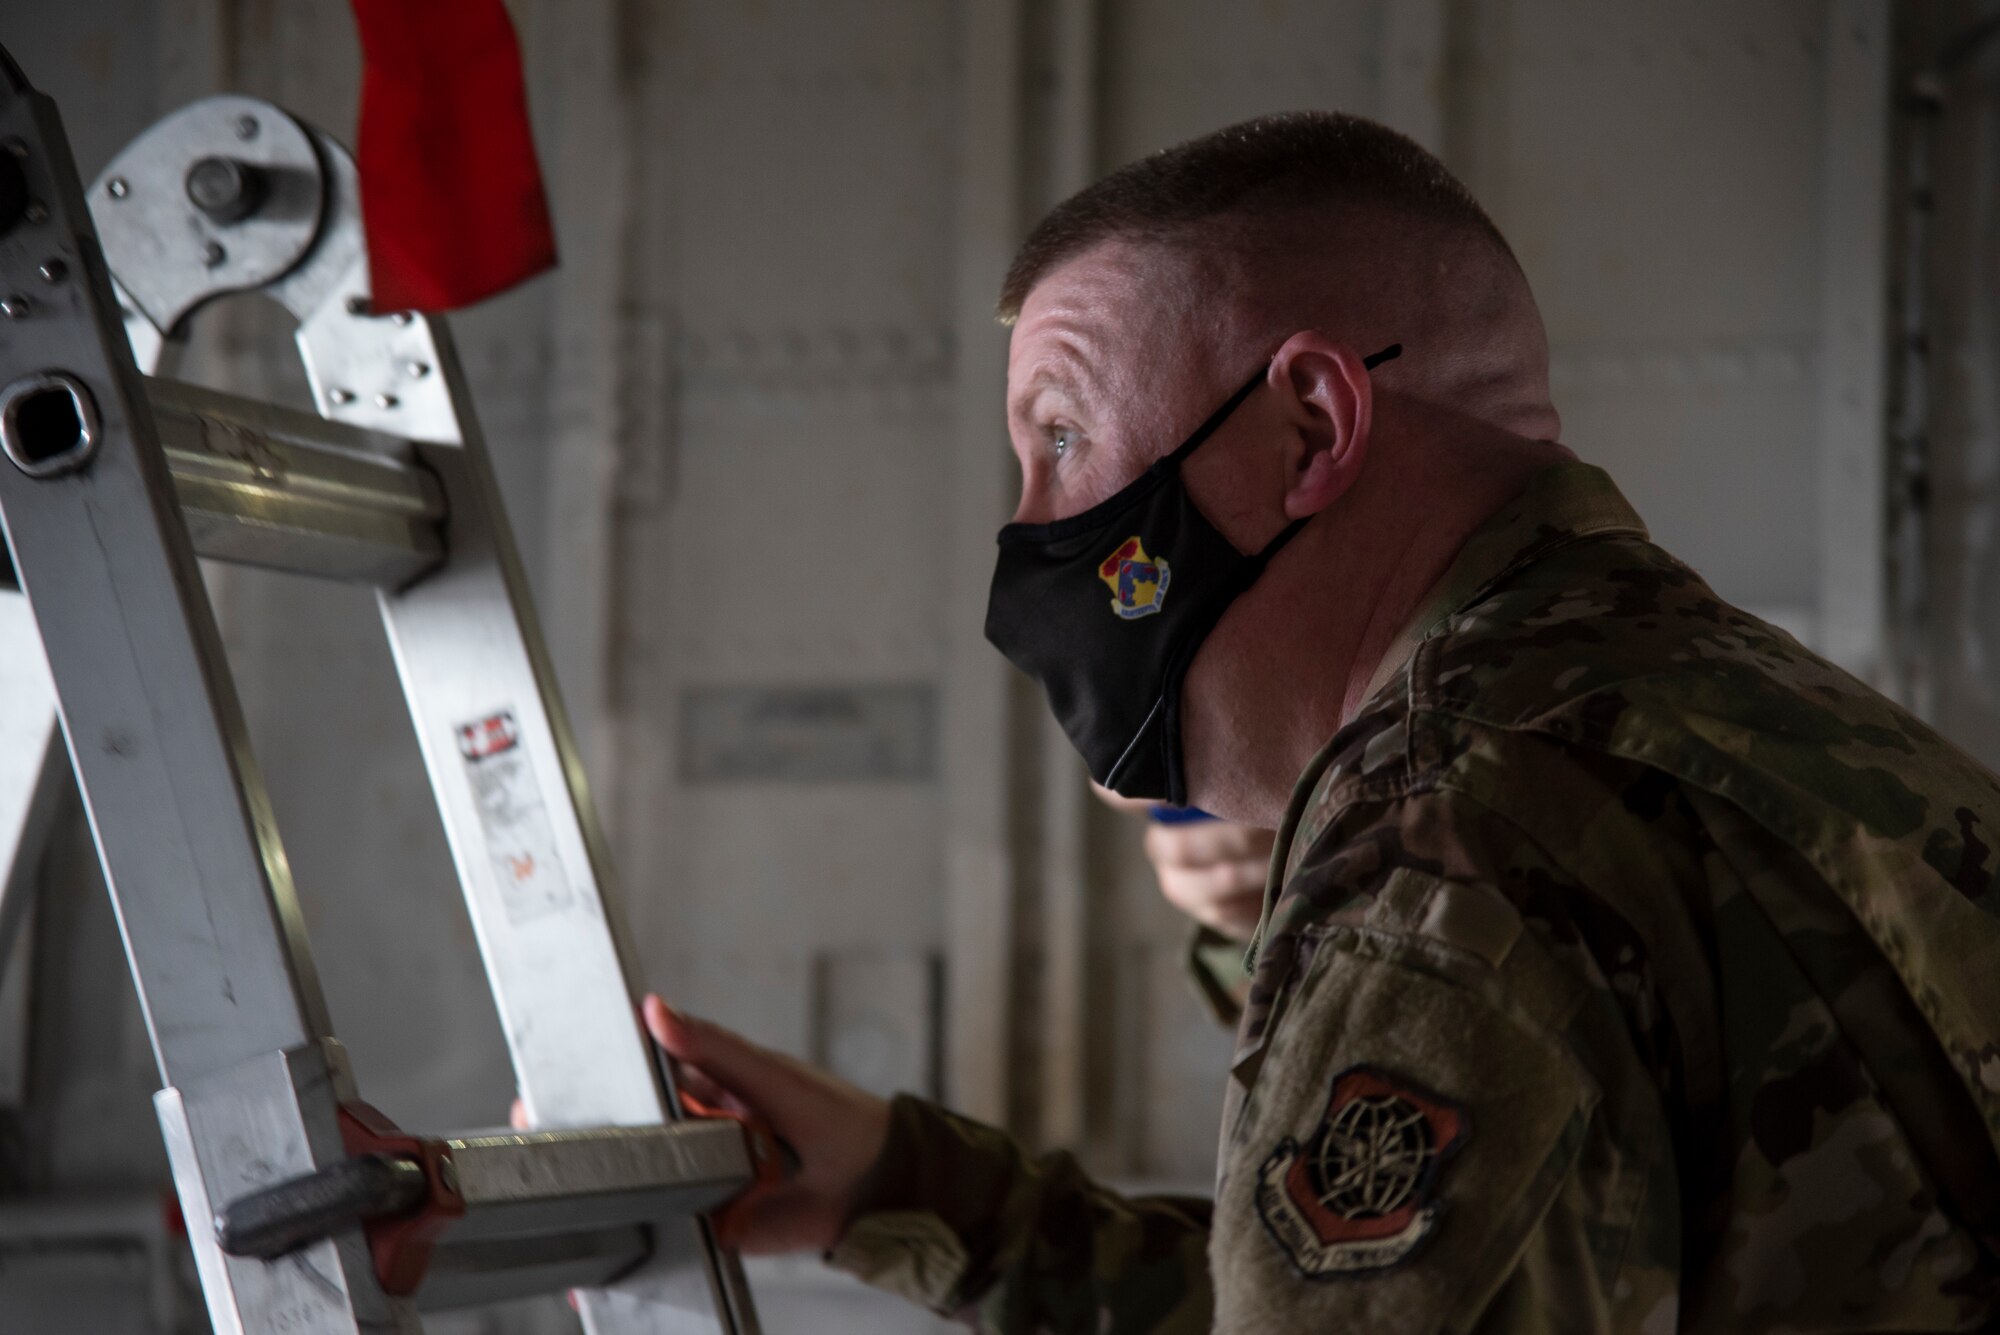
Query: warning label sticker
519, 839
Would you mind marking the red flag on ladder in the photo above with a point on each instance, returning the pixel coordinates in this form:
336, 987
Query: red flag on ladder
450, 191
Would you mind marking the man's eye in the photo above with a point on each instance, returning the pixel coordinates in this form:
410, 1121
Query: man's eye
1060, 440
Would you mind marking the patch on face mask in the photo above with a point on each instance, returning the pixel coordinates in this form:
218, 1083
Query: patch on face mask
1138, 581
1360, 1195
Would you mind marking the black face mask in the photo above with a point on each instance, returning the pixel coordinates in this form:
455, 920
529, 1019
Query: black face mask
1106, 609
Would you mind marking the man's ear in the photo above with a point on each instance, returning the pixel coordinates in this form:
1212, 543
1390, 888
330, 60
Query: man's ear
1324, 389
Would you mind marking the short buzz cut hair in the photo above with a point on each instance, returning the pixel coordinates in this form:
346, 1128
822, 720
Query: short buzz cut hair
1286, 163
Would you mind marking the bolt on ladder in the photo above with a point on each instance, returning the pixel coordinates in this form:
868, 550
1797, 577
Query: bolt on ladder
328, 1218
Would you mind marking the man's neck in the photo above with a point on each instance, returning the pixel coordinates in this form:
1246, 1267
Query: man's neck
1449, 476
1309, 642
1462, 474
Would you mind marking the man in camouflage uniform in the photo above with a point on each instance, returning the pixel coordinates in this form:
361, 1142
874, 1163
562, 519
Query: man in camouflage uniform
1624, 966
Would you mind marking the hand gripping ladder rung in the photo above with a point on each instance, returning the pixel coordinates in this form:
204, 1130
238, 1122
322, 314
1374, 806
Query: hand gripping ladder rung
328, 1217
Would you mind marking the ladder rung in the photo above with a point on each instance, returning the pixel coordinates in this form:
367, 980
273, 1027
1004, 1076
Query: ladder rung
525, 1182
270, 486
575, 1201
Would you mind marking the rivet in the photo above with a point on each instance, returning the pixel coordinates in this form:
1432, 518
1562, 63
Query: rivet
117, 188
340, 396
213, 254
401, 318
246, 127
36, 211
357, 305
15, 307
385, 400
416, 370
53, 271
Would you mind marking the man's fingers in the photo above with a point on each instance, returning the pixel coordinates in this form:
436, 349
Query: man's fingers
1222, 882
692, 1040
734, 1222
767, 1081
835, 1130
702, 1087
673, 1032
1206, 844
768, 1226
517, 1116
1228, 897
658, 1018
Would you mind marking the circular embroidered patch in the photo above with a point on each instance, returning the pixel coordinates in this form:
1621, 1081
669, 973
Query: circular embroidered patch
1360, 1193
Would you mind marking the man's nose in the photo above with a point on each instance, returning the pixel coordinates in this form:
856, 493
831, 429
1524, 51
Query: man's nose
1038, 503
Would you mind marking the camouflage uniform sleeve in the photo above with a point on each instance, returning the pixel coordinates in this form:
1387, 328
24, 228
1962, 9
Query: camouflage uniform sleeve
1435, 1139
1215, 967
960, 1219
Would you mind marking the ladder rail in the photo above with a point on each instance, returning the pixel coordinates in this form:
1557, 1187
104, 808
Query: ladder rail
153, 726
202, 891
470, 651
532, 857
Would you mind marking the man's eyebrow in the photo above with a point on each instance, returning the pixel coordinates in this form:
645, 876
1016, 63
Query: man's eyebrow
1038, 384
1069, 375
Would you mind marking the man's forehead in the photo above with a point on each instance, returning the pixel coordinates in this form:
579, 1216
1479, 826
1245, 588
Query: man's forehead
1111, 279
1085, 317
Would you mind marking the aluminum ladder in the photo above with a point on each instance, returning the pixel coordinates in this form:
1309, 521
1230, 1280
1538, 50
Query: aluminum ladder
327, 1217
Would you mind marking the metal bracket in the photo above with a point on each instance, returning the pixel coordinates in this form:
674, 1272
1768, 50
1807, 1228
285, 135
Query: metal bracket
237, 1132
224, 195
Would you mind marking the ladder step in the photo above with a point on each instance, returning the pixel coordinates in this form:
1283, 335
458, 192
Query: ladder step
528, 1182
268, 486
490, 1200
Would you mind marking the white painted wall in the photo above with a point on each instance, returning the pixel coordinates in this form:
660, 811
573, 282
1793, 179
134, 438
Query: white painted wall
750, 435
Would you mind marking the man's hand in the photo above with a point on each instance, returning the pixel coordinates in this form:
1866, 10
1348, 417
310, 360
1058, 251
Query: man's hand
836, 1130
1213, 871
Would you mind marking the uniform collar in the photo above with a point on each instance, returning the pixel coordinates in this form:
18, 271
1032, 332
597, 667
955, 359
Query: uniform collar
1561, 504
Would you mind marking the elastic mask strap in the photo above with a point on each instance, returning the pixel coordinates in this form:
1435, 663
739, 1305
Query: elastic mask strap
1118, 767
1221, 415
1217, 418
1254, 564
1246, 574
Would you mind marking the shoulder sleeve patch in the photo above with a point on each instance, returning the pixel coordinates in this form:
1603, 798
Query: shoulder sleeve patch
1414, 1120
1361, 1193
